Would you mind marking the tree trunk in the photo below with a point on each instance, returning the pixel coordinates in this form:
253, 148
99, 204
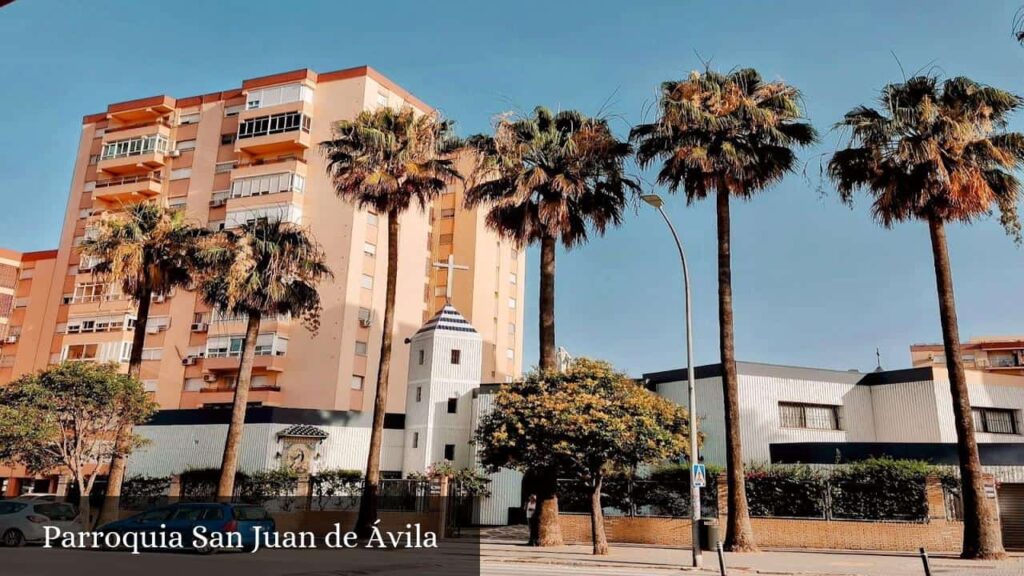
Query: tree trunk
371, 486
548, 350
110, 509
598, 536
84, 507
229, 463
982, 532
738, 535
548, 528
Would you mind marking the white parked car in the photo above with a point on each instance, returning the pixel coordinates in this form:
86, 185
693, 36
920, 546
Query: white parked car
23, 520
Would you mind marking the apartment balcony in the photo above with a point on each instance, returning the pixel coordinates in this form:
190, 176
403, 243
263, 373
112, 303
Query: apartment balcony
266, 165
273, 133
128, 189
268, 363
145, 109
142, 149
204, 397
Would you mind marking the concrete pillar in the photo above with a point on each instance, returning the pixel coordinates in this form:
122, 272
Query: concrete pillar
303, 492
174, 490
62, 485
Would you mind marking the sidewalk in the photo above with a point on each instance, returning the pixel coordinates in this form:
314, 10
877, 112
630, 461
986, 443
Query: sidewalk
657, 561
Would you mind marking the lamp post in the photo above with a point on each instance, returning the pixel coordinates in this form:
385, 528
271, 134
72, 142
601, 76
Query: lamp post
698, 560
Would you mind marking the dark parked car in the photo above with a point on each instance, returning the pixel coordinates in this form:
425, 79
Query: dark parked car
219, 520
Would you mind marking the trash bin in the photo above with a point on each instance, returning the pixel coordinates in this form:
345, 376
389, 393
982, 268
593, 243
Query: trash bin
708, 532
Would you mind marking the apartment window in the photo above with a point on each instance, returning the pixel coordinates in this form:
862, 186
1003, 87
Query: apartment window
274, 95
360, 348
511, 327
85, 213
511, 302
419, 393
230, 111
93, 159
422, 355
273, 124
415, 439
267, 184
995, 420
223, 167
193, 384
188, 119
81, 352
453, 405
446, 238
357, 382
152, 353
365, 317
134, 147
382, 99
92, 292
181, 173
810, 416
449, 451
177, 203
510, 353
215, 225
513, 279
366, 281
456, 356
448, 213
183, 145
227, 139
370, 249
371, 219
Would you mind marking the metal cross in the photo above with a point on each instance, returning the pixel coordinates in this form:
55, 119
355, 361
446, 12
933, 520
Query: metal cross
451, 267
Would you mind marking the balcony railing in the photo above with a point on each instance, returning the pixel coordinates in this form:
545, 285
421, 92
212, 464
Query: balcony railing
108, 182
268, 160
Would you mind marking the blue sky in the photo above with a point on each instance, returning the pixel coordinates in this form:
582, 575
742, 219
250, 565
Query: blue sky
815, 282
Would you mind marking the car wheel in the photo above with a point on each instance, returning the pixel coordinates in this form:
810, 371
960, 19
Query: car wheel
13, 538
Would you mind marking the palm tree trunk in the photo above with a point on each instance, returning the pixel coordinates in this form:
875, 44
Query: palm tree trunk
229, 463
371, 486
982, 535
598, 536
549, 530
739, 537
110, 509
548, 351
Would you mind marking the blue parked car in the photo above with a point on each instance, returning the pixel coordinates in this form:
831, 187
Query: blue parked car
219, 520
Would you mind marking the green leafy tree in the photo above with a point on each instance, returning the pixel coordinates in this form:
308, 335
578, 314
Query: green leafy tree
580, 424
386, 161
550, 178
940, 154
264, 268
731, 135
147, 250
67, 417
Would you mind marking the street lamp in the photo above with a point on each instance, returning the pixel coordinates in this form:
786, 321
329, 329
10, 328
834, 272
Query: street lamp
698, 560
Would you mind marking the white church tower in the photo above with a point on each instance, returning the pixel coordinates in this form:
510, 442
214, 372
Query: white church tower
444, 369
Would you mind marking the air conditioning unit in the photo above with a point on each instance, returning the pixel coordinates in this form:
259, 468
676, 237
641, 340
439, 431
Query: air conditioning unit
199, 327
209, 378
366, 321
188, 361
11, 339
153, 329
218, 202
174, 153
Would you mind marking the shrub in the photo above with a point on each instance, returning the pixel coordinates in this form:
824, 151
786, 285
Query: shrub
795, 491
337, 488
880, 489
141, 492
201, 483
268, 485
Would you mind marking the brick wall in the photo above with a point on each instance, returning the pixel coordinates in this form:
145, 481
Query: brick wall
937, 533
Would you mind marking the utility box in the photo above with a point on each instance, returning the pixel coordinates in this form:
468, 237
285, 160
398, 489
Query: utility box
708, 532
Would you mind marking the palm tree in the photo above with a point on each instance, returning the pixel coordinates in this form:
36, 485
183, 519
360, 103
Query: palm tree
940, 154
148, 250
732, 135
264, 268
548, 178
385, 161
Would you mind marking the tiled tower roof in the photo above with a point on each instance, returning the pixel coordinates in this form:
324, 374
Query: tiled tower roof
448, 319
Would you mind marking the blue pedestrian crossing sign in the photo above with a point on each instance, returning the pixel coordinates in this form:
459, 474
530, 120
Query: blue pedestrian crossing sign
699, 475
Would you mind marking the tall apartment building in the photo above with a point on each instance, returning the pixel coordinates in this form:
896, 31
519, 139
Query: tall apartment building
998, 354
232, 156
